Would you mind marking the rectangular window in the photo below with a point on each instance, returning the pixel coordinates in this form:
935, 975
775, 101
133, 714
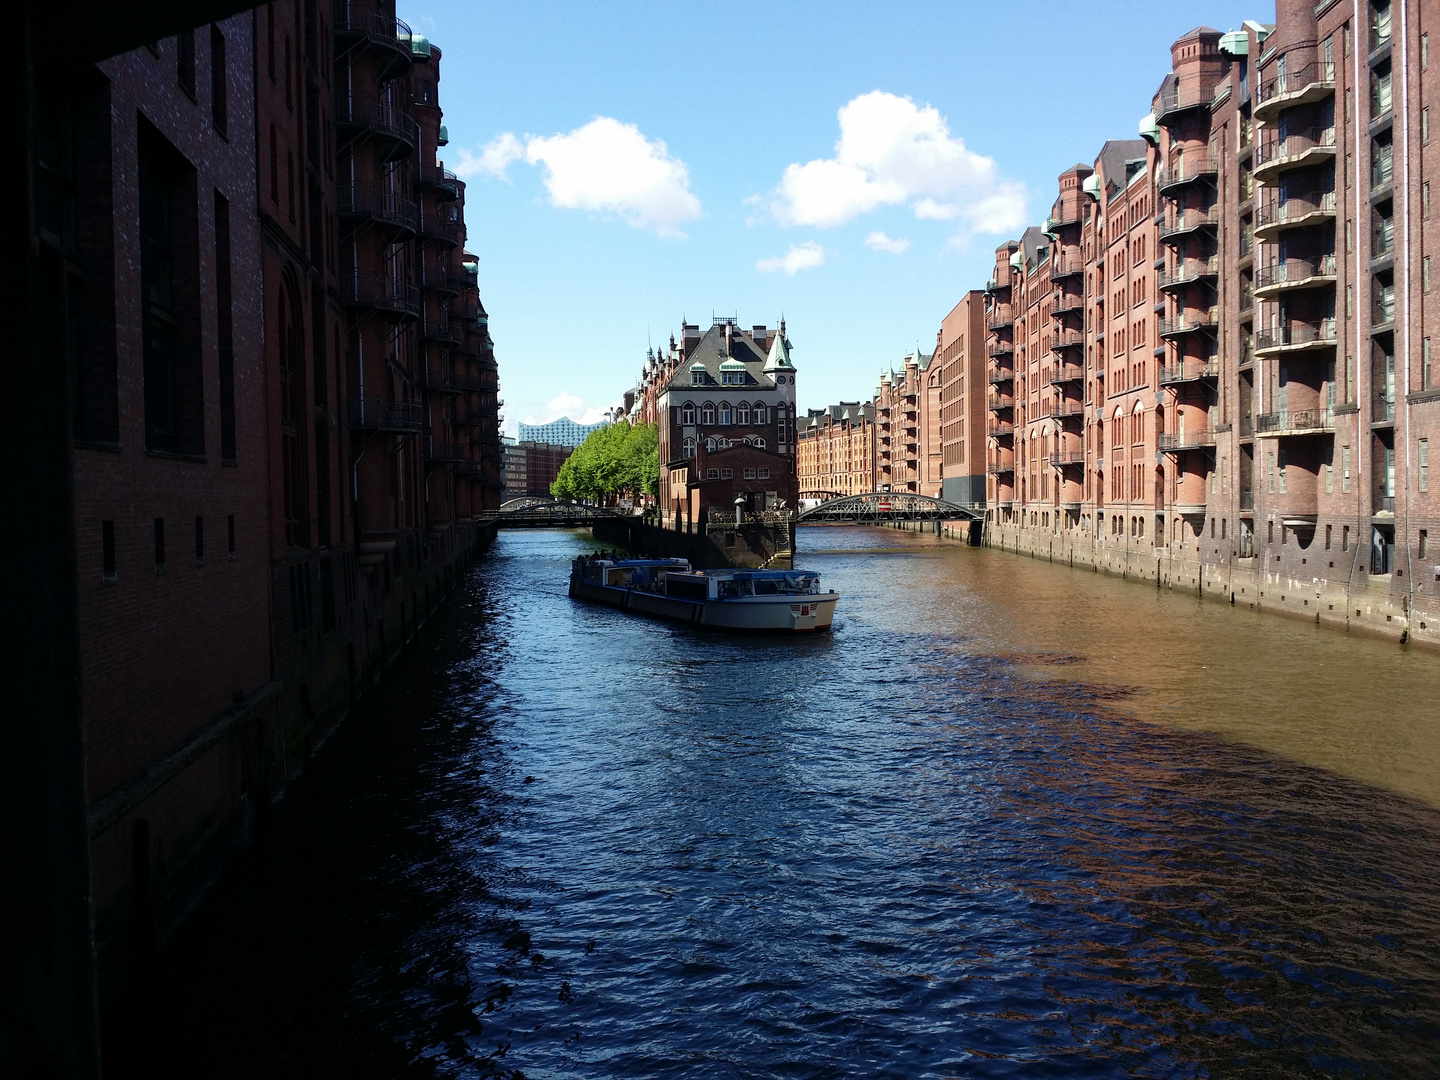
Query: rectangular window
712, 474
219, 105
1425, 370
1425, 274
170, 298
1423, 473
762, 474
1270, 473
727, 474
1425, 199
185, 61
230, 535
159, 545
1349, 301
1270, 532
199, 541
225, 329
1349, 235
749, 474
1425, 124
107, 550
1345, 469
1345, 538
1327, 537
1424, 543
1281, 454
1329, 478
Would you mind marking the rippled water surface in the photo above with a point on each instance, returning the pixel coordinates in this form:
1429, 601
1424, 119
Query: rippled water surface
1006, 820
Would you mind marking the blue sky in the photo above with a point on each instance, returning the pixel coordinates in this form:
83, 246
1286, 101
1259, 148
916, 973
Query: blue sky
632, 163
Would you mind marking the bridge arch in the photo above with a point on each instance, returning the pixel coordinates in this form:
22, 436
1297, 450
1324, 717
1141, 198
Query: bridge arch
879, 507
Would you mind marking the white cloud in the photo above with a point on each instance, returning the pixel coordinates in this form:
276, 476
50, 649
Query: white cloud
799, 257
878, 241
562, 404
893, 152
606, 167
494, 158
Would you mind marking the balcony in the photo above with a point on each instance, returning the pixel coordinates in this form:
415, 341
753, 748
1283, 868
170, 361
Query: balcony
1000, 470
1186, 171
363, 201
996, 378
1001, 348
1065, 373
1192, 372
439, 281
1294, 422
1000, 429
1182, 99
370, 290
1382, 411
1059, 409
439, 380
1171, 442
1063, 215
444, 452
1188, 221
388, 417
1067, 458
1188, 272
1295, 337
1280, 89
1273, 218
362, 27
444, 182
444, 233
1187, 323
393, 130
1311, 146
1000, 402
1066, 339
998, 317
1065, 302
1294, 274
1069, 264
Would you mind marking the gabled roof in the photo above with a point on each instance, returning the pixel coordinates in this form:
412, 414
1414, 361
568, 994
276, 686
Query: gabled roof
708, 354
779, 358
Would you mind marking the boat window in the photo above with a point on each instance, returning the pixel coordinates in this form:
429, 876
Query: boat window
765, 588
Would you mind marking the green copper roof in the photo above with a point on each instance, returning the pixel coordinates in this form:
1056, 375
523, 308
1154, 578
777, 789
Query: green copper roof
1149, 129
419, 45
444, 139
732, 365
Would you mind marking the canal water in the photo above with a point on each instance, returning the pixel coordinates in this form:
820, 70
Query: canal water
1007, 820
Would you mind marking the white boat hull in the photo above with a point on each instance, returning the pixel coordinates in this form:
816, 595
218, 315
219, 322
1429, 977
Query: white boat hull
787, 614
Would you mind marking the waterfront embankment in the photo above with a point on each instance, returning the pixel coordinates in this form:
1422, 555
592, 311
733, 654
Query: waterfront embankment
1341, 594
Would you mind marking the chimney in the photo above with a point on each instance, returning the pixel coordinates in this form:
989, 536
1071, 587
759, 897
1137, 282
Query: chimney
761, 336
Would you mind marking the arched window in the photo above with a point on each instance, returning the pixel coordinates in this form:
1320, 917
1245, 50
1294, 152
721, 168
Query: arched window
707, 414
742, 416
687, 416
710, 445
725, 414
689, 448
759, 443
760, 413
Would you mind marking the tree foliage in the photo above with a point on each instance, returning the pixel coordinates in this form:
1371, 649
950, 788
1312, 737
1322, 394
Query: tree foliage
617, 460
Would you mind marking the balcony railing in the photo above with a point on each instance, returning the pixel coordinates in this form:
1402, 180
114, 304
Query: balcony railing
1004, 375
1060, 410
1187, 271
1295, 272
1183, 98
999, 402
1296, 335
1274, 153
1282, 86
1000, 428
1067, 339
1383, 409
1066, 265
377, 414
1065, 302
1191, 372
361, 22
440, 281
1186, 170
446, 233
384, 119
1001, 348
1187, 221
1185, 440
996, 469
368, 289
1295, 209
445, 182
1186, 323
1064, 373
363, 199
1295, 422
1067, 457
999, 316
441, 380
1382, 170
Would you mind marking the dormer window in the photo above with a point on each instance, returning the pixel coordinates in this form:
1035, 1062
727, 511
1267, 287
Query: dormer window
697, 378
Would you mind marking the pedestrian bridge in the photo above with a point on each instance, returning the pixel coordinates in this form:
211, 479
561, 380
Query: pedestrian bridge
883, 507
538, 512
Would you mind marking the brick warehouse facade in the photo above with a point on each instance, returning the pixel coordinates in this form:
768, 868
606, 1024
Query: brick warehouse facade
1220, 343
285, 426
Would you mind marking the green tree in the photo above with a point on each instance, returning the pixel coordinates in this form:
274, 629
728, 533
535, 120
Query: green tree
616, 460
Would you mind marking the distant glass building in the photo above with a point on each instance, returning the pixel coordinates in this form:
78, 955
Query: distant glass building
562, 432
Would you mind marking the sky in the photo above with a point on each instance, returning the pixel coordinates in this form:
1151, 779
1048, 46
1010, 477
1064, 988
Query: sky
850, 166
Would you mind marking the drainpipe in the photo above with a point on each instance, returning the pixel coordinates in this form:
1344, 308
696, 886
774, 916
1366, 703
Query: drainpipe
1361, 160
1405, 200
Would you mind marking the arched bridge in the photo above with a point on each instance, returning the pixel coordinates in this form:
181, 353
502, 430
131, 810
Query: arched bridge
882, 507
539, 512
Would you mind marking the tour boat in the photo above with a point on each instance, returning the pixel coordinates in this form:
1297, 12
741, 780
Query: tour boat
784, 600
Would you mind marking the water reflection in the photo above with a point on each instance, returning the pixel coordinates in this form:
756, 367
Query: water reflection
942, 841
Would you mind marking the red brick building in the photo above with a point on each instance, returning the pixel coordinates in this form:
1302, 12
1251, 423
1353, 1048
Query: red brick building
285, 419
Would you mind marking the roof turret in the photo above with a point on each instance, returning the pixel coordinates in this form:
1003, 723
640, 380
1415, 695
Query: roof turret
779, 358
